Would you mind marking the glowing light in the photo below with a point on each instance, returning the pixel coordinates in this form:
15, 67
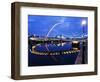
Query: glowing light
75, 42
83, 22
62, 44
33, 38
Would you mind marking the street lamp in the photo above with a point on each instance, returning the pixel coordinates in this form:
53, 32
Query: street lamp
83, 24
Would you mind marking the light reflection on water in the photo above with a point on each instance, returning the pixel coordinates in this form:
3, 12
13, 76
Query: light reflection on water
54, 47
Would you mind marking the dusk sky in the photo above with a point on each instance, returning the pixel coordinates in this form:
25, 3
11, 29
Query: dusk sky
57, 25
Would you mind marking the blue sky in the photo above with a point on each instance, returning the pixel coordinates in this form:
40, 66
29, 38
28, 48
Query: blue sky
61, 25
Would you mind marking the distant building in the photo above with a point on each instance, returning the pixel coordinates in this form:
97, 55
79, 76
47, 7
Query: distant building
61, 37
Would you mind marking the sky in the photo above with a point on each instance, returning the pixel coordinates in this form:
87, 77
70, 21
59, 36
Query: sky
51, 26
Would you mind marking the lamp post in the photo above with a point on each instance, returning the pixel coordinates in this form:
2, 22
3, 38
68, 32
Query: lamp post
83, 23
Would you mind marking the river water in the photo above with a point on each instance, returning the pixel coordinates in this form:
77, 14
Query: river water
44, 60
